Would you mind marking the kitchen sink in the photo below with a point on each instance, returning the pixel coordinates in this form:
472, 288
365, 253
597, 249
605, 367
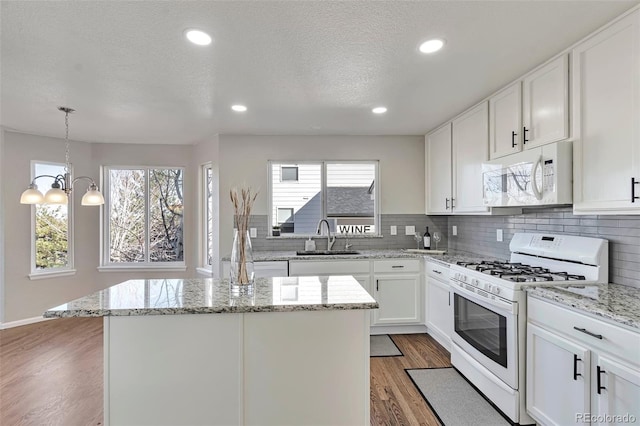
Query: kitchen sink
325, 252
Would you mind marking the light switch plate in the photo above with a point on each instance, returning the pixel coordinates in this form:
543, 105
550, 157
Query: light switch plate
253, 232
409, 230
454, 230
498, 234
394, 230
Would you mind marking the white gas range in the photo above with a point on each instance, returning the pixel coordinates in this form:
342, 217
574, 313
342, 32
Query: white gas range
490, 309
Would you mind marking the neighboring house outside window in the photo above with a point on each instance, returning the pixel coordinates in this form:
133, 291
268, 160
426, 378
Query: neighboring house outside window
52, 247
344, 192
144, 217
289, 173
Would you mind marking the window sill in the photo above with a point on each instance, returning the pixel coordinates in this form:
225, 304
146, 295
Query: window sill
143, 268
205, 271
51, 274
323, 237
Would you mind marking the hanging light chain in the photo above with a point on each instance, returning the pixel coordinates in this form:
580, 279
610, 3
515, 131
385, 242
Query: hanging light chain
67, 166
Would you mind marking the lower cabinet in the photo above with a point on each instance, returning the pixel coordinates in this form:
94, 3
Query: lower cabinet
580, 370
399, 299
439, 311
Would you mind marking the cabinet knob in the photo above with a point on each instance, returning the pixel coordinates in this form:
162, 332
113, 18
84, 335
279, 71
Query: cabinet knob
513, 139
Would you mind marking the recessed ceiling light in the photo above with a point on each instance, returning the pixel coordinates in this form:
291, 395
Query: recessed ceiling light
379, 110
198, 37
239, 108
431, 46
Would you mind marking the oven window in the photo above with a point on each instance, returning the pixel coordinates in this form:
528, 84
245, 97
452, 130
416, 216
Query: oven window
482, 328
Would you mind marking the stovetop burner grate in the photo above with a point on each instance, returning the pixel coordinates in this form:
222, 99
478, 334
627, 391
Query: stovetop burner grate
519, 272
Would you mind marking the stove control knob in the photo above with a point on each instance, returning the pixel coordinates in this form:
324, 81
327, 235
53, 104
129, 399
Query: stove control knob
457, 275
488, 287
496, 290
464, 278
475, 282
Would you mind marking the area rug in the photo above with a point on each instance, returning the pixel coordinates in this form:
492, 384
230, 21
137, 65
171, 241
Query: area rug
454, 401
382, 345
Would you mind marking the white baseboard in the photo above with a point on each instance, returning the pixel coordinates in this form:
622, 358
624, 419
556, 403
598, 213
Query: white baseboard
25, 321
397, 329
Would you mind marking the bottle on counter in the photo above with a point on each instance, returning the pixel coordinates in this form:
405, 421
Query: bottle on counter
426, 239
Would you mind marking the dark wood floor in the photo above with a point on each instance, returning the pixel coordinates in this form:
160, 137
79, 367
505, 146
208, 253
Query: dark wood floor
51, 374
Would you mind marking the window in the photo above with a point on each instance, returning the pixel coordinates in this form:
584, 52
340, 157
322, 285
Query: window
289, 173
343, 192
51, 242
144, 217
207, 214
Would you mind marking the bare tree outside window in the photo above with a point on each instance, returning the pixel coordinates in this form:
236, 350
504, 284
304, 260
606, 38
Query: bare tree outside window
146, 212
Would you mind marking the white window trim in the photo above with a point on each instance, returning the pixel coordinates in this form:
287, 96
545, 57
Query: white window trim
105, 265
40, 274
323, 178
204, 267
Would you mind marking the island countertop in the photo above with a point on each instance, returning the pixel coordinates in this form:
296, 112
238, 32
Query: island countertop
213, 296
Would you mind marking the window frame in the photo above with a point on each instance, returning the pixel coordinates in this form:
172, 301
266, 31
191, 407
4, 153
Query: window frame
105, 264
323, 191
69, 269
288, 166
205, 226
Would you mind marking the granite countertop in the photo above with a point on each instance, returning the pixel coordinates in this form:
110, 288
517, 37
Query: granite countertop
212, 296
614, 302
450, 257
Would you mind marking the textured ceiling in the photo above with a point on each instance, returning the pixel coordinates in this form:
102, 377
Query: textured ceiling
312, 67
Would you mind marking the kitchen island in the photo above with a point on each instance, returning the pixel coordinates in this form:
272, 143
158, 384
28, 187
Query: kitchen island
189, 352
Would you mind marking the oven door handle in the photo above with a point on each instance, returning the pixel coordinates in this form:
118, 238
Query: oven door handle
503, 307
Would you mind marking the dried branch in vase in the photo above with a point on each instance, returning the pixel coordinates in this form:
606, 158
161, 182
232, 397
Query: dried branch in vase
242, 203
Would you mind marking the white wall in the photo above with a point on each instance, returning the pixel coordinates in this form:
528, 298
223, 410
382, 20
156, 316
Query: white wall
243, 161
2, 262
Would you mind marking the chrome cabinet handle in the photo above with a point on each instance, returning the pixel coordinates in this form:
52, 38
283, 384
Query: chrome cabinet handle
437, 272
513, 139
585, 331
397, 266
524, 135
599, 379
447, 204
377, 287
634, 182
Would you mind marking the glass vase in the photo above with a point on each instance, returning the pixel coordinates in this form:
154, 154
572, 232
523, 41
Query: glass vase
242, 273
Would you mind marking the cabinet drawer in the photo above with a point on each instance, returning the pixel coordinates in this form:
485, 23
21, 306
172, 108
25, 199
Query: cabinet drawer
615, 340
328, 267
397, 265
438, 271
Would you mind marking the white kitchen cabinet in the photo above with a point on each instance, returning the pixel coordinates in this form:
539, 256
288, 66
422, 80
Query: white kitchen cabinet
557, 377
470, 149
545, 104
579, 364
505, 121
397, 287
359, 269
439, 309
606, 127
438, 170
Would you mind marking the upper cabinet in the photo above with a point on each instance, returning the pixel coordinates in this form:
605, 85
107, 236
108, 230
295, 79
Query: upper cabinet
504, 121
531, 112
470, 150
606, 120
438, 170
545, 104
454, 156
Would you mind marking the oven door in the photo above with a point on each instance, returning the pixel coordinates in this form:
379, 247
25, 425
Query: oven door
487, 329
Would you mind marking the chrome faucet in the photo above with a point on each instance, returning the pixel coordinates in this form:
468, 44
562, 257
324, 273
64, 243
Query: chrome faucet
330, 241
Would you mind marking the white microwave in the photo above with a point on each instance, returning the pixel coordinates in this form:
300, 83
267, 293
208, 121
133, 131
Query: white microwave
534, 177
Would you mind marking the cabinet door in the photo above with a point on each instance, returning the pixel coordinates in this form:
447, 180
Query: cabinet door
505, 121
545, 104
619, 393
439, 311
606, 107
399, 299
438, 170
557, 377
365, 281
470, 149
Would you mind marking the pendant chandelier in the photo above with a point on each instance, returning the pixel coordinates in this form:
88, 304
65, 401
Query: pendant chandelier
62, 185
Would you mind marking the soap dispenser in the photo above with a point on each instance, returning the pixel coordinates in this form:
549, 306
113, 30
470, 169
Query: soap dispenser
309, 245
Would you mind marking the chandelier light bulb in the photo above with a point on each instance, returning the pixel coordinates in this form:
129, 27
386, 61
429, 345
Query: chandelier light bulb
31, 195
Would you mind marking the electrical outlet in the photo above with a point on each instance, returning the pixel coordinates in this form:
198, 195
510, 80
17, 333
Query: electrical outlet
498, 234
394, 230
253, 232
454, 230
409, 230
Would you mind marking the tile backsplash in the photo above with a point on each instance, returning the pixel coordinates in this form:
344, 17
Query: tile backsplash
387, 241
477, 234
